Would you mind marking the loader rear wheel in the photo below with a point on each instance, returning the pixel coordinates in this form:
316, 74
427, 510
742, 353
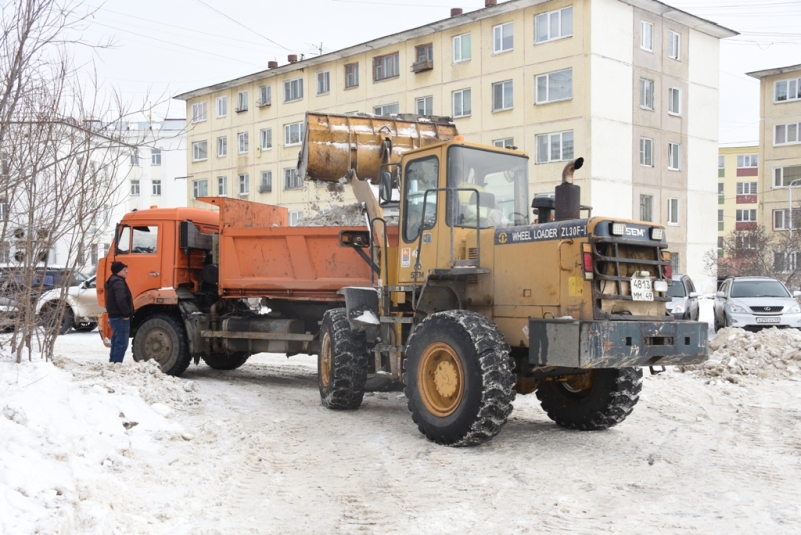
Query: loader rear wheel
591, 401
342, 362
459, 379
162, 338
223, 361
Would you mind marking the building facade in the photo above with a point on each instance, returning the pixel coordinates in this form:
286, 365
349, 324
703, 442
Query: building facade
739, 187
630, 85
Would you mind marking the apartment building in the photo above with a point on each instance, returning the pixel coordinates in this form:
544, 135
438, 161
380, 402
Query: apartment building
631, 85
738, 190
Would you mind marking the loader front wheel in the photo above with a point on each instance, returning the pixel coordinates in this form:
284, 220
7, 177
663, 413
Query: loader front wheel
223, 361
591, 401
459, 379
162, 338
342, 362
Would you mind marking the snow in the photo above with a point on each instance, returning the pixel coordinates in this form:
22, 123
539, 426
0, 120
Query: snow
88, 447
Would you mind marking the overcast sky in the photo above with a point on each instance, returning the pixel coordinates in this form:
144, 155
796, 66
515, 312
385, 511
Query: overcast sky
165, 47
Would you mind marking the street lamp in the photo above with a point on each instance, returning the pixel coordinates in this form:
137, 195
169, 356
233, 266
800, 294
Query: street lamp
790, 212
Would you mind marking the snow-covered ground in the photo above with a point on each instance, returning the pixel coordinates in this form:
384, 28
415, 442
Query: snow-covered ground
88, 447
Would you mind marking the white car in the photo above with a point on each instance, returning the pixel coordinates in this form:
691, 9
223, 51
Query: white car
81, 312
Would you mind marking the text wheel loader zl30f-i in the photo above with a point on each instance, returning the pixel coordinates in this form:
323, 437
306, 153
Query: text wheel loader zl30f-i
472, 301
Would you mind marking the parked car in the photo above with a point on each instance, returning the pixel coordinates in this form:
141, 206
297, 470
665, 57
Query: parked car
44, 280
81, 311
756, 302
684, 305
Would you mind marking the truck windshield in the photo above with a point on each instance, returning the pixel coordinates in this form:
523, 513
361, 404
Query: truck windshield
493, 188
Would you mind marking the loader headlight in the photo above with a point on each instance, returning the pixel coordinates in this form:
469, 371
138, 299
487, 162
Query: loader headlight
657, 234
618, 229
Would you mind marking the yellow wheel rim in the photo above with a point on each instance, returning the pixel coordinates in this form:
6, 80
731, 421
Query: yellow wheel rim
325, 359
440, 379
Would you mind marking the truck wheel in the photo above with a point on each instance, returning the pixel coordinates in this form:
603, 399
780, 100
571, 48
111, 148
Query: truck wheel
459, 379
342, 363
223, 361
162, 338
590, 401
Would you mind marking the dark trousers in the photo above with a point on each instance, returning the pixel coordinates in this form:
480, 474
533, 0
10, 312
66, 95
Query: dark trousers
121, 329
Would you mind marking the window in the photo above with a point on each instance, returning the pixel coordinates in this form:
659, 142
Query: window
266, 184
242, 142
385, 67
421, 175
721, 162
786, 262
746, 241
746, 188
144, 240
503, 38
135, 157
673, 211
291, 179
745, 216
781, 221
554, 86
674, 156
242, 101
293, 134
646, 207
265, 95
720, 216
674, 45
222, 146
787, 134
244, 184
135, 187
461, 103
646, 152
295, 217
506, 143
553, 25
222, 186
646, 94
424, 58
155, 157
747, 160
786, 90
198, 112
386, 109
293, 89
502, 96
351, 75
721, 196
200, 188
461, 48
266, 138
156, 187
323, 82
646, 36
555, 147
784, 176
199, 151
424, 105
674, 101
222, 106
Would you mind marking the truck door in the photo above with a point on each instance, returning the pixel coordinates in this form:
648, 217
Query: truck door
420, 182
139, 248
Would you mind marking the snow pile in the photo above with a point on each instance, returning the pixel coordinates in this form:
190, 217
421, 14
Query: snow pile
348, 215
768, 354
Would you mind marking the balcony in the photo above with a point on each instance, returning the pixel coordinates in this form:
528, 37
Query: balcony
422, 65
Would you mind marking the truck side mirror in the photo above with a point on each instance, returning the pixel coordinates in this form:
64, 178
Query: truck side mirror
384, 186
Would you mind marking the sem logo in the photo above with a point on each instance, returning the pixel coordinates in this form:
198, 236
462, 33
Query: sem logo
635, 231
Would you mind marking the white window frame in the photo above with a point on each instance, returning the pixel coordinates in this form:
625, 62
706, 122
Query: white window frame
155, 187
780, 177
222, 186
547, 76
674, 45
222, 146
505, 143
294, 217
196, 188
747, 215
265, 95
293, 89
789, 84
291, 179
424, 105
323, 82
554, 139
266, 182
155, 157
135, 157
786, 130
673, 206
646, 94
351, 75
747, 161
459, 45
266, 138
559, 16
646, 205
460, 95
646, 35
674, 156
785, 219
200, 151
244, 184
747, 188
387, 109
242, 142
674, 101
502, 87
288, 128
199, 112
241, 102
646, 152
498, 37
721, 162
222, 107
135, 188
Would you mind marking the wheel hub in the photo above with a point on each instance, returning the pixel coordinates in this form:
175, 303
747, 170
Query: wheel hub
158, 346
446, 379
440, 379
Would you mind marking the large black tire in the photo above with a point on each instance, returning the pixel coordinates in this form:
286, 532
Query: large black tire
48, 318
85, 327
459, 379
342, 362
223, 361
596, 400
162, 337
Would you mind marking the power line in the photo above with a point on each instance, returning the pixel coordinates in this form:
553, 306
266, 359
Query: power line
240, 24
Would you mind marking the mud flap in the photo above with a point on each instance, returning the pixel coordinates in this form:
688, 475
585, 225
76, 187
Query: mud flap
362, 307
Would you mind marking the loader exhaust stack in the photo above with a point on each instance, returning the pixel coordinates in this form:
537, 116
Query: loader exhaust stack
568, 195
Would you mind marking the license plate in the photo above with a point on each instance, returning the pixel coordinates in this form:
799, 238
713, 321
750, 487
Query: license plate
641, 289
768, 320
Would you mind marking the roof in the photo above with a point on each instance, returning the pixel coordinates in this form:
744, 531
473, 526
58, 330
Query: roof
770, 72
652, 6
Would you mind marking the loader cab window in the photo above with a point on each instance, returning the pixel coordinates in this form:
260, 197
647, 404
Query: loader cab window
421, 175
493, 188
138, 240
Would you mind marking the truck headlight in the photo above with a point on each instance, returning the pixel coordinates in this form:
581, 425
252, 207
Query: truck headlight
736, 309
795, 309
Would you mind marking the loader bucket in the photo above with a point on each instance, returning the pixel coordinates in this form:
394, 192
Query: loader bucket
337, 146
